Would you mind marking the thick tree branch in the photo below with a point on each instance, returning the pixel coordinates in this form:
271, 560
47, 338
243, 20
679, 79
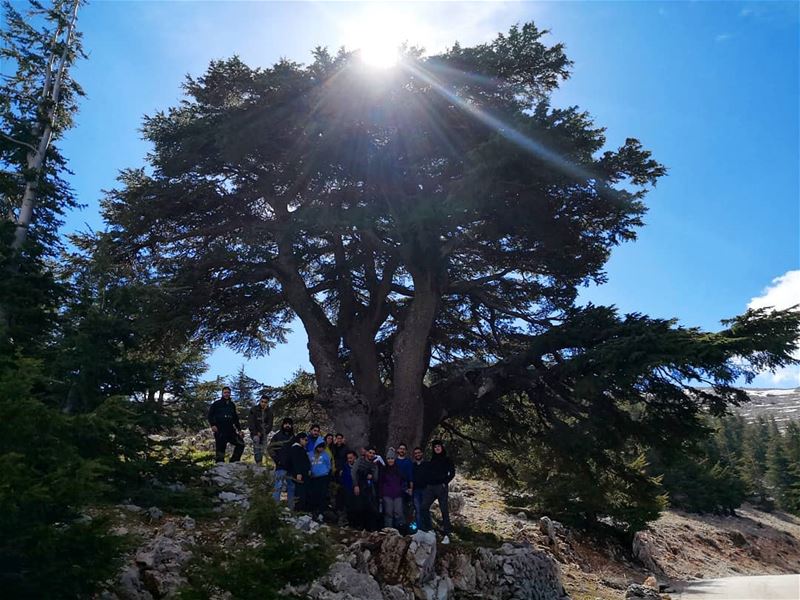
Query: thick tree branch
497, 305
31, 147
348, 303
458, 287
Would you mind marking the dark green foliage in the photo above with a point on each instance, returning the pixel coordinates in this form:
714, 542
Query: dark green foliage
122, 334
559, 474
615, 388
350, 199
738, 461
28, 43
245, 390
33, 40
142, 463
30, 294
46, 549
695, 483
284, 556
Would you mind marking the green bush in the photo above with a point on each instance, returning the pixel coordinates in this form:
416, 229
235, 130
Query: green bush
283, 556
585, 494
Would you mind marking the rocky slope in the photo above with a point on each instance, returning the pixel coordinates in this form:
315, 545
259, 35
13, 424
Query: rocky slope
496, 553
678, 547
783, 405
368, 566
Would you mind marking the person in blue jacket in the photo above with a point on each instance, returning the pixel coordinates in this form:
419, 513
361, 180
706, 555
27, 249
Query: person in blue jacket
314, 440
321, 468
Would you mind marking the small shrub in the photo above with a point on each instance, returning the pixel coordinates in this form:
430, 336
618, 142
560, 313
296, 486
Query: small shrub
283, 556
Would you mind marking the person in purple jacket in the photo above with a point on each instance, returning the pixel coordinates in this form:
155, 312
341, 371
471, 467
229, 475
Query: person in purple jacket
393, 487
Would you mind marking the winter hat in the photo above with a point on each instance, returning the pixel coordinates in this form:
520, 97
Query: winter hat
390, 453
287, 420
437, 442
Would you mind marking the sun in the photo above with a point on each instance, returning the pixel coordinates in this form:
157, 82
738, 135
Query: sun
378, 53
378, 34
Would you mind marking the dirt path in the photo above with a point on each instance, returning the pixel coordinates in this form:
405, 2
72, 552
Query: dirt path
767, 587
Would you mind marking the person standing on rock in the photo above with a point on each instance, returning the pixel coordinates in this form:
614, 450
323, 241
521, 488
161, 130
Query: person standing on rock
279, 447
224, 421
351, 492
299, 470
340, 452
259, 421
367, 476
321, 468
393, 485
439, 472
418, 466
407, 469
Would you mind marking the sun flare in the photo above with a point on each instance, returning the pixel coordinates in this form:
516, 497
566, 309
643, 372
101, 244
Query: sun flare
378, 35
377, 53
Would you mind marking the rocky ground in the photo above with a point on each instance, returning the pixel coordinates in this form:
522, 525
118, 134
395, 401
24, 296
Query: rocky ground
678, 547
497, 553
376, 566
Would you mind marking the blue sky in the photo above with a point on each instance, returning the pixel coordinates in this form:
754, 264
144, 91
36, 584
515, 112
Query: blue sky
710, 87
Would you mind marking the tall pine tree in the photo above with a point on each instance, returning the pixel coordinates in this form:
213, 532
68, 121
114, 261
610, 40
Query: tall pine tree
38, 101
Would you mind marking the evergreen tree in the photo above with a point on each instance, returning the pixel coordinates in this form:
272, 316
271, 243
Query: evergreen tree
245, 390
120, 335
777, 475
37, 103
729, 439
430, 228
792, 448
39, 98
754, 456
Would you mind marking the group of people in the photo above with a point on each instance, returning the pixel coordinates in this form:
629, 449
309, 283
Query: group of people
321, 473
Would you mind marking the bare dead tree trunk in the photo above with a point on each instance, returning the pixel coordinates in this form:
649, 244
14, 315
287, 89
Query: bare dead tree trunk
51, 95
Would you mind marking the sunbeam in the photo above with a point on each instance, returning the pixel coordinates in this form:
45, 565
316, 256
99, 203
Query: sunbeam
504, 129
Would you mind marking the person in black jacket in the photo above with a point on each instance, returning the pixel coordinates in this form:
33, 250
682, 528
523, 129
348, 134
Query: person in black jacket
224, 421
367, 473
418, 466
259, 422
340, 452
299, 469
279, 447
438, 473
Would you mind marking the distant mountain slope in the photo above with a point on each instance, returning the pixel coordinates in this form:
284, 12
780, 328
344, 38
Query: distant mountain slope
782, 404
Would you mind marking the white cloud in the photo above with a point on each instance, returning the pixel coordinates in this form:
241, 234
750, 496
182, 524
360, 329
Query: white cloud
782, 293
722, 37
